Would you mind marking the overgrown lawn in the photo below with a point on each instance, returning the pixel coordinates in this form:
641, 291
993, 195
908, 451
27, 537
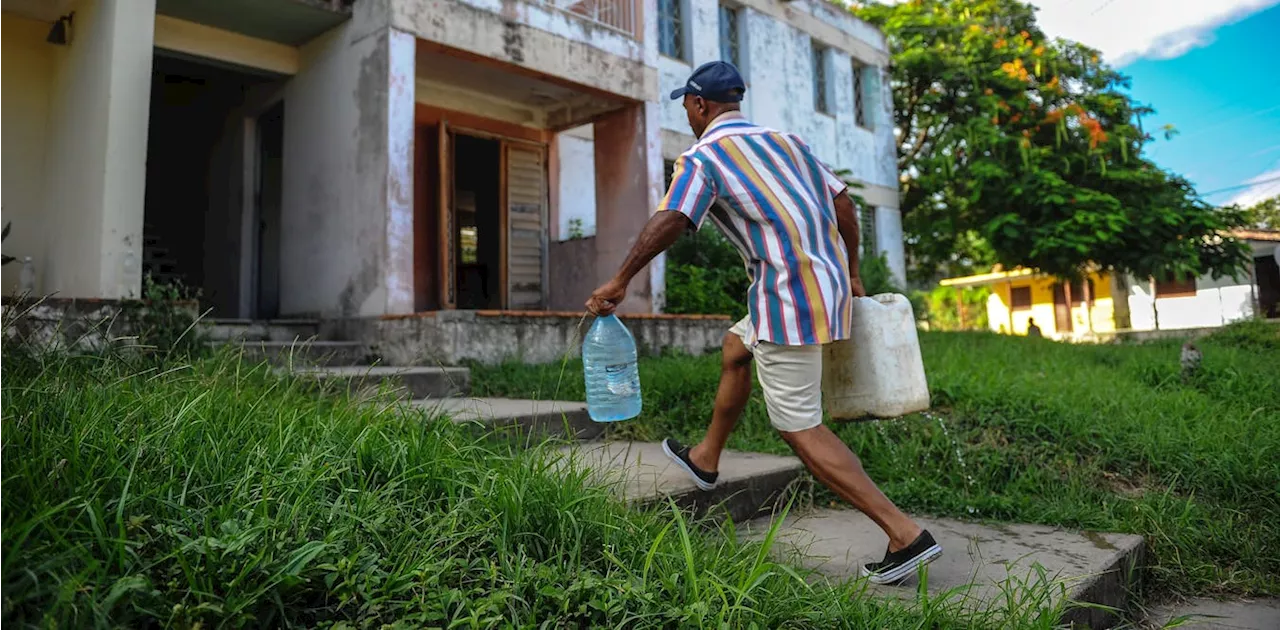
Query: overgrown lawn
1102, 437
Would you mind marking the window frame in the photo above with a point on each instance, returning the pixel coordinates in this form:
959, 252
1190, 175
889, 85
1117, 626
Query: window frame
859, 95
678, 40
1016, 305
819, 53
727, 9
1170, 287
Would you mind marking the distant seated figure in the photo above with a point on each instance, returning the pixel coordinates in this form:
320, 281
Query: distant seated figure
1032, 329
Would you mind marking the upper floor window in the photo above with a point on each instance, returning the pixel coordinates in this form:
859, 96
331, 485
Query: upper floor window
868, 232
671, 28
820, 101
1168, 287
730, 41
859, 95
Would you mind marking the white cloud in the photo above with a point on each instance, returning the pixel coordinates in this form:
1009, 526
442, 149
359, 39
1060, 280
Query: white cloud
1126, 30
1264, 186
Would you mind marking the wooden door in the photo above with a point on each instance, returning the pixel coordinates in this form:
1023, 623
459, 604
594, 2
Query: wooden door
1061, 309
447, 271
526, 225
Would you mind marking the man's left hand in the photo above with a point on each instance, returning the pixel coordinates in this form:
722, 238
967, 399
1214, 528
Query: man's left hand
605, 299
855, 285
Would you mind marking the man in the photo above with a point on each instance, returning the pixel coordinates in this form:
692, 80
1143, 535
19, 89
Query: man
796, 228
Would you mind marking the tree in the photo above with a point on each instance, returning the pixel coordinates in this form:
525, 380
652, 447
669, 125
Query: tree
1264, 215
1023, 151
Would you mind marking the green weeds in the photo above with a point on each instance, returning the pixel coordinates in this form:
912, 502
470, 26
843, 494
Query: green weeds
1106, 438
217, 494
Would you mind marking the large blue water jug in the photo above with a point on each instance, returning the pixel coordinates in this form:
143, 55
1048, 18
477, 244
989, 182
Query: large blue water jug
609, 365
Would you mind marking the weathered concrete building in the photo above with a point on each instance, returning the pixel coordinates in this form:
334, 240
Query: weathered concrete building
369, 158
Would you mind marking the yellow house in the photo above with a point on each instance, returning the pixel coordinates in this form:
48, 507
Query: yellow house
1021, 297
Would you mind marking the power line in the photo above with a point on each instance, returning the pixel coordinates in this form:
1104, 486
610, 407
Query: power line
1244, 185
1103, 6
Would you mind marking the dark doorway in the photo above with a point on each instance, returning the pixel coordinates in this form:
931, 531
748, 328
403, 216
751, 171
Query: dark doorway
193, 214
1268, 274
478, 221
269, 198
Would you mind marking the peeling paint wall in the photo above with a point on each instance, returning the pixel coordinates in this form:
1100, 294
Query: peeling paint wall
534, 36
778, 68
347, 245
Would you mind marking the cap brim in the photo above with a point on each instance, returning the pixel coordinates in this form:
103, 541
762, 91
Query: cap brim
679, 92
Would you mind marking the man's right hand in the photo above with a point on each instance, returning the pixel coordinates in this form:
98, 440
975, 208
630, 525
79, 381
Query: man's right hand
855, 285
605, 300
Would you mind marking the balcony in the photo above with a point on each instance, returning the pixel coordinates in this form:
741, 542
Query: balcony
617, 15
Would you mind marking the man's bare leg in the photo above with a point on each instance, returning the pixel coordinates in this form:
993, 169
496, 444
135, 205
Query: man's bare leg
831, 461
731, 399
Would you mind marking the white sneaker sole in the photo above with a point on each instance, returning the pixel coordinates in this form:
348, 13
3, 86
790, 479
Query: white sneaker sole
902, 571
702, 485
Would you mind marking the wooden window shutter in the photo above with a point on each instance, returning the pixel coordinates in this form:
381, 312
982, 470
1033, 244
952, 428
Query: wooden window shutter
526, 226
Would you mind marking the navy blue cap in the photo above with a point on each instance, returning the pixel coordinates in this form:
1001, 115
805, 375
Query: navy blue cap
716, 81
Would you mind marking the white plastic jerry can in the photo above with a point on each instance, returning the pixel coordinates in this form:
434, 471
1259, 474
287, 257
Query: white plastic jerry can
878, 370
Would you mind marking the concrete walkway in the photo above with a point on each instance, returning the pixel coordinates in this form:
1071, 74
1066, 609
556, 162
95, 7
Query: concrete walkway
982, 564
1208, 614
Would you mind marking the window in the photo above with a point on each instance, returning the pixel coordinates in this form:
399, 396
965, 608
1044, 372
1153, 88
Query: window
867, 233
1020, 298
668, 172
730, 48
820, 79
1176, 287
671, 28
859, 101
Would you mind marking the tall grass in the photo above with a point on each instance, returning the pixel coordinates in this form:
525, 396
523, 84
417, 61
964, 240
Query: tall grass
215, 494
1107, 438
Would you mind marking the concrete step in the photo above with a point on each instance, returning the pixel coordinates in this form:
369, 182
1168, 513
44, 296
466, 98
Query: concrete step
1208, 614
261, 330
983, 562
412, 382
530, 418
750, 484
303, 353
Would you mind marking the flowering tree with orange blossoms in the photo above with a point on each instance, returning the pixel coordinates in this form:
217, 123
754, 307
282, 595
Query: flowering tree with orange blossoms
1024, 151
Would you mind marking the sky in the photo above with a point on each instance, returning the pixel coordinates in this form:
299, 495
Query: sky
1211, 68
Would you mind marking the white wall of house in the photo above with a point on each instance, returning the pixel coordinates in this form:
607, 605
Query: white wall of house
1216, 302
25, 83
88, 185
577, 201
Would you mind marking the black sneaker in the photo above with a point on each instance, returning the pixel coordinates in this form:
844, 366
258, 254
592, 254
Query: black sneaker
679, 454
901, 564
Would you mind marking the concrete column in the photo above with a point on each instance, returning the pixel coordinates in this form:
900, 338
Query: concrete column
347, 244
889, 242
628, 187
96, 166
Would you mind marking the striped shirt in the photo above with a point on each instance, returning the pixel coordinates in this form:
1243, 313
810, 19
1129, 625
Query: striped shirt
775, 202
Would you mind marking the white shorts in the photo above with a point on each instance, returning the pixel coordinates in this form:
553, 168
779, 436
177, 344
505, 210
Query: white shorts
791, 378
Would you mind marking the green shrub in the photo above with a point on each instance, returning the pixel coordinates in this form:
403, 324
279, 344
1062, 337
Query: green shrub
940, 308
705, 276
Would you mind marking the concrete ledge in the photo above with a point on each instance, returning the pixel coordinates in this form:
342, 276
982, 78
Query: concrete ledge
641, 474
302, 353
492, 337
413, 382
519, 418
